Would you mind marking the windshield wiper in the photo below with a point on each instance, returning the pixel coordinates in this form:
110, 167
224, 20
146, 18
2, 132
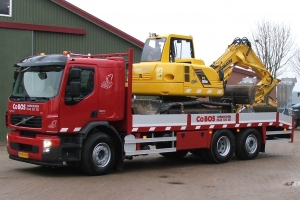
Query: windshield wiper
23, 98
39, 98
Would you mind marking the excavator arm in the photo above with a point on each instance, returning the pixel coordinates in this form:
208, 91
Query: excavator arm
240, 54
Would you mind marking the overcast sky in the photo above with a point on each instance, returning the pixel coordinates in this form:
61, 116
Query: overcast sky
212, 23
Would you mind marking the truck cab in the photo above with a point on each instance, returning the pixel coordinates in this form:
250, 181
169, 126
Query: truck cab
47, 91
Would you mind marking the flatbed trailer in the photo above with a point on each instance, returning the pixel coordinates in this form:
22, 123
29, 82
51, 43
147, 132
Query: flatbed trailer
98, 130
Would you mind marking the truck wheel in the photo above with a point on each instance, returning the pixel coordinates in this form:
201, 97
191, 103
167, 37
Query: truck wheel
248, 144
98, 155
222, 147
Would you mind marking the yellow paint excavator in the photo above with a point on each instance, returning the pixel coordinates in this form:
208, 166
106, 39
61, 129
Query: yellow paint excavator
240, 54
170, 71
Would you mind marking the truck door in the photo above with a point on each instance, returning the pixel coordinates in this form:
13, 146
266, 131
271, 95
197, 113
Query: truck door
74, 114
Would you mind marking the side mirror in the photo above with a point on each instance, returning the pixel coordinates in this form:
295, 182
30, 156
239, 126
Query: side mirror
42, 75
75, 88
75, 73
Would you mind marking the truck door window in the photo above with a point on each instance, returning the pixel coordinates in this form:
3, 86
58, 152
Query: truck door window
86, 80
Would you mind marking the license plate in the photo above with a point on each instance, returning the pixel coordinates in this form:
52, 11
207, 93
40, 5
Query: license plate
23, 155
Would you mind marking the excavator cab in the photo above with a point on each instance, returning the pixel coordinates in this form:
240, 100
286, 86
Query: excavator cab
169, 48
168, 68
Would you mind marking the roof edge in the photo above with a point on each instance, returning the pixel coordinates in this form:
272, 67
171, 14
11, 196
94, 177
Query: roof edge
99, 22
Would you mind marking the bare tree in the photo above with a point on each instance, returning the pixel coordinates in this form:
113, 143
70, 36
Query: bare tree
274, 45
296, 63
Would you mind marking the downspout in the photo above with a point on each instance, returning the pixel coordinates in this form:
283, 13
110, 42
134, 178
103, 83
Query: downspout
32, 33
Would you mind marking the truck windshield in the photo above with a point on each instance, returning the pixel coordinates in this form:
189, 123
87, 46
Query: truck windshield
153, 49
38, 82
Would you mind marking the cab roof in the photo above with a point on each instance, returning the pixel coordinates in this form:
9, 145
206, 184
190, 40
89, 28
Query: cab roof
46, 60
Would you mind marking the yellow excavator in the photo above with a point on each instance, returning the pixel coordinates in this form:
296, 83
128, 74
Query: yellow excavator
169, 70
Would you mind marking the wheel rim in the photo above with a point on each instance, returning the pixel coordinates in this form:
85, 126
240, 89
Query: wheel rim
251, 144
101, 155
223, 146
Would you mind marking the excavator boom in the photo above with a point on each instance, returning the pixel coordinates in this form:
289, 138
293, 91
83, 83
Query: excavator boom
240, 54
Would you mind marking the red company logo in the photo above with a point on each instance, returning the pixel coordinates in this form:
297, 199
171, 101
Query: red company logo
206, 119
220, 118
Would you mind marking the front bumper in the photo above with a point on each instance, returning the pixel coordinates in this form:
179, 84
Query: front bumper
43, 162
32, 149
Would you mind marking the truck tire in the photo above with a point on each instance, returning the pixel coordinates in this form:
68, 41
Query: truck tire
98, 155
221, 148
248, 144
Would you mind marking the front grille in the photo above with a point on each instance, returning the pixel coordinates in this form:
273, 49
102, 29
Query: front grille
28, 134
24, 147
26, 121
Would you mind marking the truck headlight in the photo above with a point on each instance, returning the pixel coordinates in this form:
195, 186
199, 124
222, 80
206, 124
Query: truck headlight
46, 146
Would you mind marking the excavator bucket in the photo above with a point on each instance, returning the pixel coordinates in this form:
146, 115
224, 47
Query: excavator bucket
240, 94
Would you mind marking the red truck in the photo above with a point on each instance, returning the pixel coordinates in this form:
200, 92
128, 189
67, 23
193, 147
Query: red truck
79, 109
